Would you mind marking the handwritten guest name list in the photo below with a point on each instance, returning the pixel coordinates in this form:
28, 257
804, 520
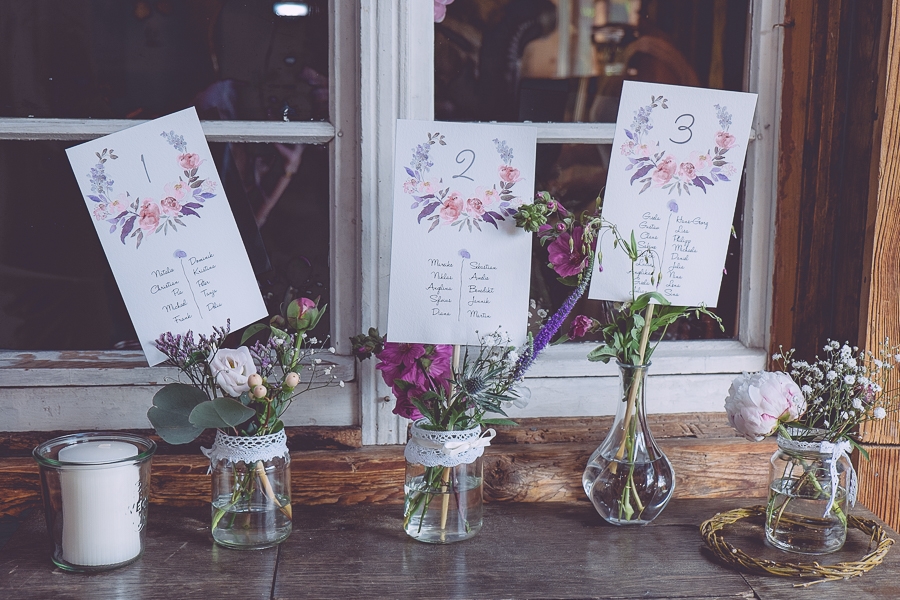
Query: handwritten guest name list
167, 229
673, 181
460, 268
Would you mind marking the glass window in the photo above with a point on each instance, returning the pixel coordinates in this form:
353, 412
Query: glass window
565, 61
109, 59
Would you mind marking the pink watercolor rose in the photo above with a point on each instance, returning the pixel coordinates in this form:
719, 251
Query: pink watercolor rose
488, 196
701, 161
475, 206
100, 212
170, 206
118, 205
176, 189
452, 208
687, 171
409, 186
664, 171
724, 140
425, 188
509, 174
148, 217
628, 148
189, 161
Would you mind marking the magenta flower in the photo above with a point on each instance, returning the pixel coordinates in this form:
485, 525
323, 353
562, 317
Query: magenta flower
580, 326
566, 253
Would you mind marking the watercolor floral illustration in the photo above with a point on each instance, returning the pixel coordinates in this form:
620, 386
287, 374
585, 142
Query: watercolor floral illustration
655, 167
443, 206
136, 218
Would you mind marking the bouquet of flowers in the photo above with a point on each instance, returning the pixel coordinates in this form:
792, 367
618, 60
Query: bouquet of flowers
816, 409
452, 389
243, 393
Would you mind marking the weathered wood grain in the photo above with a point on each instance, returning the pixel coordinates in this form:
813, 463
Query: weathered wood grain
727, 467
878, 486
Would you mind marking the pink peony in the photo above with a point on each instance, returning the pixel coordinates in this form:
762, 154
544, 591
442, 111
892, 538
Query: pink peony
724, 140
566, 260
452, 208
170, 206
176, 190
305, 305
148, 217
664, 171
580, 326
687, 171
189, 161
757, 403
509, 174
474, 206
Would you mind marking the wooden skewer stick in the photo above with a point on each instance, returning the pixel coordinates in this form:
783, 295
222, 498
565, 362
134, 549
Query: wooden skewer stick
445, 476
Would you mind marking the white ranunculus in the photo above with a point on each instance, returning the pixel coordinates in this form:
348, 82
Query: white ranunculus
232, 369
757, 403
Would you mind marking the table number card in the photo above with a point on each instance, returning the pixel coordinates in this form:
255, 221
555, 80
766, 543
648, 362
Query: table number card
674, 176
459, 265
167, 229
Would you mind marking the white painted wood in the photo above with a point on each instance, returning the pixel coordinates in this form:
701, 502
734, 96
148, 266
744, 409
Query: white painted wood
597, 396
20, 370
397, 81
308, 132
757, 253
125, 407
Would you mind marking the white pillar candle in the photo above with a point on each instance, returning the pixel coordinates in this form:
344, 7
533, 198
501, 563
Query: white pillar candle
101, 512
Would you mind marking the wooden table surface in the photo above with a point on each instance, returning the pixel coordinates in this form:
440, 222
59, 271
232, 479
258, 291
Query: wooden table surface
526, 550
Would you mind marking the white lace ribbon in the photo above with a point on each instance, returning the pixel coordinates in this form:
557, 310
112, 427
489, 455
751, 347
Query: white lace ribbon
446, 448
836, 450
247, 449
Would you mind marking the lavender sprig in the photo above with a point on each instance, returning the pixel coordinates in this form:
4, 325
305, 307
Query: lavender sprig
551, 327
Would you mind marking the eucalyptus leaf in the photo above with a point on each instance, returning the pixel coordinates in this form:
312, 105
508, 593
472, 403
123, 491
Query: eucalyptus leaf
170, 413
220, 413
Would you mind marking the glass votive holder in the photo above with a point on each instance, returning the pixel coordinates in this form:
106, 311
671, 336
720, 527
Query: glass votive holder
95, 487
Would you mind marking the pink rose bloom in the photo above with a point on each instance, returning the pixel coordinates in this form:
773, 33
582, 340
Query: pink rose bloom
628, 148
724, 140
425, 188
100, 213
565, 261
176, 190
148, 217
440, 9
642, 150
118, 206
409, 187
475, 206
452, 208
189, 161
664, 171
580, 326
757, 403
509, 174
170, 206
687, 171
701, 161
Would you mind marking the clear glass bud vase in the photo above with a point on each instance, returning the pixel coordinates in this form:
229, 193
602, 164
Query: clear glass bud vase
810, 483
443, 489
251, 490
628, 478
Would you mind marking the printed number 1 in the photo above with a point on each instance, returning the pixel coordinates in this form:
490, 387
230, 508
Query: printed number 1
684, 128
460, 160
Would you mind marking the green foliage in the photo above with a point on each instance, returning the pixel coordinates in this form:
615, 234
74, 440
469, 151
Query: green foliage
221, 413
171, 410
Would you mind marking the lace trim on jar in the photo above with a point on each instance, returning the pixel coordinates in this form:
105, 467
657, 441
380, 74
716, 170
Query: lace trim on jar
247, 448
446, 448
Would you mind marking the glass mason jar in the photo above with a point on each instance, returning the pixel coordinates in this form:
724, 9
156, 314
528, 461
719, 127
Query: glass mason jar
809, 483
251, 490
628, 478
443, 489
95, 488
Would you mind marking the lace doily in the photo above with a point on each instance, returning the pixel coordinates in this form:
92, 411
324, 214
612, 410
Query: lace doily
835, 450
247, 449
446, 448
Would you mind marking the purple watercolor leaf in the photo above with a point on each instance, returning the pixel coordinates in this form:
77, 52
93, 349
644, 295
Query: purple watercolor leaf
94, 198
428, 210
696, 181
629, 134
705, 179
641, 172
187, 211
410, 172
126, 228
192, 205
723, 178
488, 218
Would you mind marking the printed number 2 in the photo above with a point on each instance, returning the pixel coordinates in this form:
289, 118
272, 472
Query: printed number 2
460, 160
684, 128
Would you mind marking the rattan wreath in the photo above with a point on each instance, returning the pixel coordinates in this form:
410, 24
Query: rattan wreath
845, 570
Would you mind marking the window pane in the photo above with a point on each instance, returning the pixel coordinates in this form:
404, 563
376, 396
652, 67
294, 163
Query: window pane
58, 292
505, 61
110, 59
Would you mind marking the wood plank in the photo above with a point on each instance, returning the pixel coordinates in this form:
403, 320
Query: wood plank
550, 472
878, 486
882, 309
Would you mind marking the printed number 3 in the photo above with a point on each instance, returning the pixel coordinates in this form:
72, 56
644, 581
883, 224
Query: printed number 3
460, 160
687, 128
